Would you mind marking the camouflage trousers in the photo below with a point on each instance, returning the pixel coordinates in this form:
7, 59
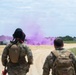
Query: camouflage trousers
16, 72
18, 69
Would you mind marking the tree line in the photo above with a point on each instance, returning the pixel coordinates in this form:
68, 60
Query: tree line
68, 38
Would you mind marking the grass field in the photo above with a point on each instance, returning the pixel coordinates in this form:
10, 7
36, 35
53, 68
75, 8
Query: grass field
1, 48
39, 55
73, 50
69, 42
32, 47
71, 46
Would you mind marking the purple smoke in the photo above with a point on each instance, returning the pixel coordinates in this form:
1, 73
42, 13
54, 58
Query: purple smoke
37, 36
34, 34
34, 40
40, 41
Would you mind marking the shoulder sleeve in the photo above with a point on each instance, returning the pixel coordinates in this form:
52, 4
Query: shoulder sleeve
4, 55
48, 64
72, 56
29, 54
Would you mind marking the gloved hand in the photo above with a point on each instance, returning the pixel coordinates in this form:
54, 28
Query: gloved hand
28, 66
4, 72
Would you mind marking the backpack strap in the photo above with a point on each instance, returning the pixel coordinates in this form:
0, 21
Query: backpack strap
67, 53
55, 53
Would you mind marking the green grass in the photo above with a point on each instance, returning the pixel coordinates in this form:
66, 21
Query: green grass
69, 42
73, 50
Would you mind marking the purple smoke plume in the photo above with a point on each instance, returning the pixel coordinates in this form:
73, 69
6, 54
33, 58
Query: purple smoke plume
34, 34
37, 36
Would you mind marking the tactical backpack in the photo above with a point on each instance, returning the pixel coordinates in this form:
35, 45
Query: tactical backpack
14, 53
63, 63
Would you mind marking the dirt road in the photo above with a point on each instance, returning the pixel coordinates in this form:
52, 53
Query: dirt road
39, 54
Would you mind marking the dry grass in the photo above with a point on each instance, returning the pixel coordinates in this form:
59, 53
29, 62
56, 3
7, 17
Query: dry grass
41, 47
32, 47
1, 48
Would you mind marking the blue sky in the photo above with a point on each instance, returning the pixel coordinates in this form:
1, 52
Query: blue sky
50, 17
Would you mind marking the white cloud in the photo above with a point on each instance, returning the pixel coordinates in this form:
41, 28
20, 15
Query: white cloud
47, 13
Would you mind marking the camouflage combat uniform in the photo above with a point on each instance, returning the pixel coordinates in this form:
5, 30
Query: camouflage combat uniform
50, 60
20, 68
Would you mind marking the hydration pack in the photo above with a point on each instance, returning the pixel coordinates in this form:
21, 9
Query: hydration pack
14, 53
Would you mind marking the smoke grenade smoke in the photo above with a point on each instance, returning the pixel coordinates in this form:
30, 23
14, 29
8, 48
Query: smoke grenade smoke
35, 35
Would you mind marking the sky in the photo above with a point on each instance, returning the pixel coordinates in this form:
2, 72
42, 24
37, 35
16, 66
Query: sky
48, 17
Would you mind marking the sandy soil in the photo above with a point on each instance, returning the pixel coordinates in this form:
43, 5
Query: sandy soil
39, 55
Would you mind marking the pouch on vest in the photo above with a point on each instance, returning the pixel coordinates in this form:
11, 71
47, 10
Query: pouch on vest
14, 53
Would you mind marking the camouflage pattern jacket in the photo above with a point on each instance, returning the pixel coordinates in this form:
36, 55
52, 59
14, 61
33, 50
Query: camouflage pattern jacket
25, 51
50, 60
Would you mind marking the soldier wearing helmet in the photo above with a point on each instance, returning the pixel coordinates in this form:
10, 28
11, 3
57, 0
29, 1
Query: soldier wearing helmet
21, 66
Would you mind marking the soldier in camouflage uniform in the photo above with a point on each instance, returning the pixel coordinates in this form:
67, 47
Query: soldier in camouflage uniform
48, 64
22, 67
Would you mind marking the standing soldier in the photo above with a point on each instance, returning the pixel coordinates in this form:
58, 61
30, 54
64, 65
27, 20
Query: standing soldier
60, 61
13, 56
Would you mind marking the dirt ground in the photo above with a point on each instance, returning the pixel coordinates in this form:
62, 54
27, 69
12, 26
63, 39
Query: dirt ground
39, 55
